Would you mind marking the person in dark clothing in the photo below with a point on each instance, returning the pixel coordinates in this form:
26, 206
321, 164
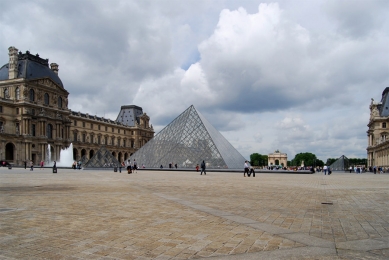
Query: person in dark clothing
203, 168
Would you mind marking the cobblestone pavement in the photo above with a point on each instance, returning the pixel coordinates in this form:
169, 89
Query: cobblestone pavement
181, 215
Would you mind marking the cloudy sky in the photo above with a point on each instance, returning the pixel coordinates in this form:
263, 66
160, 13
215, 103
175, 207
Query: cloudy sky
297, 76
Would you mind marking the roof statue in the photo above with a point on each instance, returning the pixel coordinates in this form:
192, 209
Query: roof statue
187, 141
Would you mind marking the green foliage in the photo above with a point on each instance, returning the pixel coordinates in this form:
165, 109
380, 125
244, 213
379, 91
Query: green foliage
357, 161
257, 159
308, 158
330, 161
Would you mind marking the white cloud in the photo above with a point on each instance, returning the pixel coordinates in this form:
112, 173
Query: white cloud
268, 75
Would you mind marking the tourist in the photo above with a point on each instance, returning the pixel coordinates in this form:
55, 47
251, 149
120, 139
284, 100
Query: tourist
42, 163
350, 169
246, 169
25, 164
74, 165
175, 165
31, 166
325, 169
135, 165
203, 168
197, 168
251, 170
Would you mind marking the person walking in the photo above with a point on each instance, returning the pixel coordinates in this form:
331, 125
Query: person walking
31, 166
135, 166
203, 168
25, 164
42, 163
246, 169
325, 169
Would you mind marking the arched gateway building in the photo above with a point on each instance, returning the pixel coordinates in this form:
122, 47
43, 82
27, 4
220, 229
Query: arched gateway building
34, 115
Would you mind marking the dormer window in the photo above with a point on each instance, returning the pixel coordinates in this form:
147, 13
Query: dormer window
46, 99
32, 95
59, 102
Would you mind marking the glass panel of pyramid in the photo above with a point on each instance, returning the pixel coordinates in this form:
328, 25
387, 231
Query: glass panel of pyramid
187, 141
341, 164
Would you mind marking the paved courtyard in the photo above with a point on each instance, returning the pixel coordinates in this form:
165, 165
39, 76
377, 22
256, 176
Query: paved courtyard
181, 215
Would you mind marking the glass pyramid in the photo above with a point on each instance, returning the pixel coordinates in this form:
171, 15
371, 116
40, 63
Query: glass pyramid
187, 141
102, 158
341, 164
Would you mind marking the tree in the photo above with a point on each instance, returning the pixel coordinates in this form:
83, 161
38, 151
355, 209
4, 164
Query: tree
257, 159
330, 161
308, 158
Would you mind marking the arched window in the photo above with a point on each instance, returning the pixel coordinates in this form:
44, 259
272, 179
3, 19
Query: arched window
59, 102
46, 99
49, 131
32, 95
17, 93
6, 93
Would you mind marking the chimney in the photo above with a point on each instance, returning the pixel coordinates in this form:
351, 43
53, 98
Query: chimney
13, 63
54, 67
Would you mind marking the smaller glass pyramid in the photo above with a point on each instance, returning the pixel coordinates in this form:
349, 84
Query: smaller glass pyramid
102, 158
342, 164
187, 141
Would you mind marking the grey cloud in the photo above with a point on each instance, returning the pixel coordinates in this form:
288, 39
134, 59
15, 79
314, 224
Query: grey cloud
358, 18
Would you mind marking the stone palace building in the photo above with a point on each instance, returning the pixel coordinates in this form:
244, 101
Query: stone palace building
34, 115
378, 133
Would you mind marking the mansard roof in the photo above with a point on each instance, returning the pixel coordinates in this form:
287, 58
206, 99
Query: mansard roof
31, 67
384, 106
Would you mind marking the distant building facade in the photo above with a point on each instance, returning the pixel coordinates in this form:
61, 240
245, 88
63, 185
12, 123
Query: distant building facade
278, 158
34, 113
378, 132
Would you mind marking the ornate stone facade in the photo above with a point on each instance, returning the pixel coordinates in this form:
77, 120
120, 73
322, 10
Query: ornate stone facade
378, 133
278, 158
34, 113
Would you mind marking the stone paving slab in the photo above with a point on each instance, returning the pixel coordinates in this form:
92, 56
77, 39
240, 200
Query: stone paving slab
182, 215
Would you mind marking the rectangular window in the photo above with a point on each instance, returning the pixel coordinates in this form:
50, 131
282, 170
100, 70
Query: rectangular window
83, 124
98, 127
106, 129
75, 123
113, 129
17, 111
124, 143
383, 125
83, 138
99, 139
91, 126
1, 109
74, 137
33, 130
118, 131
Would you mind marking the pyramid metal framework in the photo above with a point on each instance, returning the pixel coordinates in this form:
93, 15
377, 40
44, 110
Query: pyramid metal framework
187, 141
102, 158
341, 164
